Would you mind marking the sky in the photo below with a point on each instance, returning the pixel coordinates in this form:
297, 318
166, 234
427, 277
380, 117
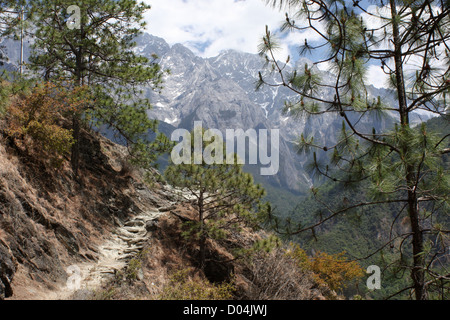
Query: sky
208, 27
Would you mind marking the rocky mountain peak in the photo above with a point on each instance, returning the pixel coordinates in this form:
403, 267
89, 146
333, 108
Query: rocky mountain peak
220, 91
149, 44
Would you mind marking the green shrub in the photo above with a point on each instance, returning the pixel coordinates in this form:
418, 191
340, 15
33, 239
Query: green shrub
133, 269
183, 287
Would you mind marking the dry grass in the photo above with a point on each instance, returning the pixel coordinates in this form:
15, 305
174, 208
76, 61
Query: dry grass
275, 276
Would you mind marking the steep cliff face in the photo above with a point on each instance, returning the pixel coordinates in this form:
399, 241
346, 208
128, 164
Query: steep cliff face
220, 92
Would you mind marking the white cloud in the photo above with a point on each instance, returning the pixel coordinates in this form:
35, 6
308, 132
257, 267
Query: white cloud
376, 77
210, 26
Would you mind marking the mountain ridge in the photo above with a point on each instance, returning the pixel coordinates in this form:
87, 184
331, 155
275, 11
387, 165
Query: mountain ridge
221, 92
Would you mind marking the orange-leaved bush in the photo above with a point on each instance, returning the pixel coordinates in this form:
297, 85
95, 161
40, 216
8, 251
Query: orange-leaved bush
36, 120
334, 270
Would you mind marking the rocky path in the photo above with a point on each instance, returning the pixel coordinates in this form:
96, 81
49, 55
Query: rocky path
125, 243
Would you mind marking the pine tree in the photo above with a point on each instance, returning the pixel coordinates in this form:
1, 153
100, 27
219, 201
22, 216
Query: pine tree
226, 198
8, 10
411, 44
90, 42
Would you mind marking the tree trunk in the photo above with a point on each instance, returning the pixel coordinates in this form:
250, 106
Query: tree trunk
202, 252
400, 82
75, 157
21, 41
76, 126
202, 243
417, 273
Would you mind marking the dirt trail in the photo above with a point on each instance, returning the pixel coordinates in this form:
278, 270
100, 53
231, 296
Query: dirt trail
124, 243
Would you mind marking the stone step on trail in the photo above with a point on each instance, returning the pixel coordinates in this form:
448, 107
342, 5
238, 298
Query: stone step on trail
134, 229
126, 241
135, 223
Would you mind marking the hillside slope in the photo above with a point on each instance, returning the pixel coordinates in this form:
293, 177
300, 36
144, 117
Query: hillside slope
49, 222
122, 237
